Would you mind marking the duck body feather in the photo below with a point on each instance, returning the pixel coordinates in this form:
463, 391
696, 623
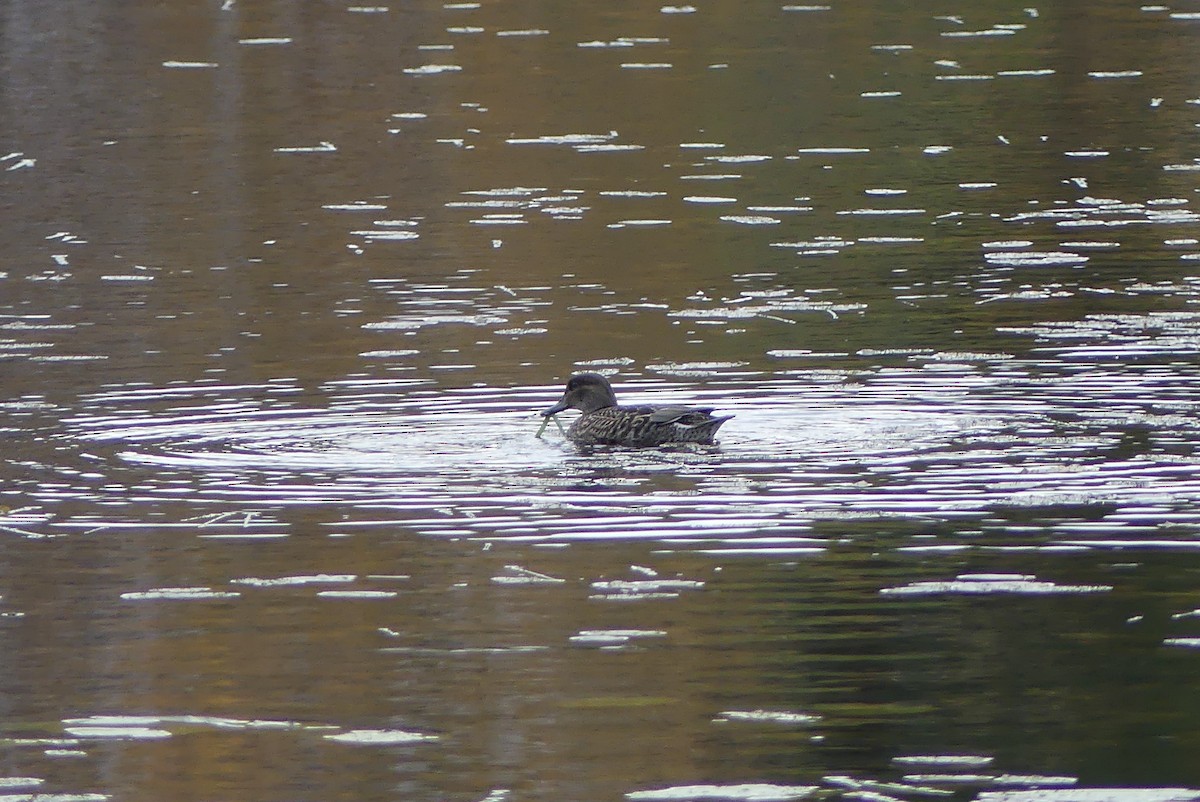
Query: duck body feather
645, 426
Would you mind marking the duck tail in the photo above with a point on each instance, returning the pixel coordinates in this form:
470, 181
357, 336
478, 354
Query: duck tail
708, 423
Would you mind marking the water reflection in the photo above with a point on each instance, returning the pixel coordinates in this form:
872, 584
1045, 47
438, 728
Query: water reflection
284, 290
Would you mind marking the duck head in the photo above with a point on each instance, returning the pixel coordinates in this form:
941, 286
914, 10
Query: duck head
586, 392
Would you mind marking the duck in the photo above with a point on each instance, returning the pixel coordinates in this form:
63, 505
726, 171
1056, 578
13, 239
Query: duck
603, 422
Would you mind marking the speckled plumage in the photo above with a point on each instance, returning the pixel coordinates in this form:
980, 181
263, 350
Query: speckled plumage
603, 422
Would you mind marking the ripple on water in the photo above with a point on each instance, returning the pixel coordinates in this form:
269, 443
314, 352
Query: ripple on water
179, 594
1034, 258
1093, 795
992, 584
380, 737
154, 727
744, 792
938, 436
768, 716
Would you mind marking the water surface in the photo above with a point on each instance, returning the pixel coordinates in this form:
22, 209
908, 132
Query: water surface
285, 288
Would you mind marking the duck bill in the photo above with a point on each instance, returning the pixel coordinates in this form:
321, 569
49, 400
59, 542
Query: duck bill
557, 408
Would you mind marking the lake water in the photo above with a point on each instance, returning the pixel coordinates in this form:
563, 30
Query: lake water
285, 286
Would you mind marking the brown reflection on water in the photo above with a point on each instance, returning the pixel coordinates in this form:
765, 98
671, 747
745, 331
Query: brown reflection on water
268, 470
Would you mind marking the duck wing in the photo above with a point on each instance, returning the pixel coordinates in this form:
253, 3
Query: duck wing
688, 416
